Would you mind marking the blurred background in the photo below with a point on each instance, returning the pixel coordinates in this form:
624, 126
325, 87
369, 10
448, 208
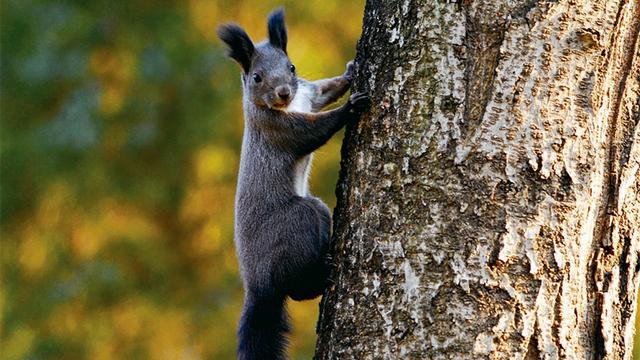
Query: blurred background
120, 136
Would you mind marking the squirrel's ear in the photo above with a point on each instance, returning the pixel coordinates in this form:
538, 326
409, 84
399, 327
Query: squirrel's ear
240, 45
277, 29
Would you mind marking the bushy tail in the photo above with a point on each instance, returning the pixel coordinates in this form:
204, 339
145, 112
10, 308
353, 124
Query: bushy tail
263, 327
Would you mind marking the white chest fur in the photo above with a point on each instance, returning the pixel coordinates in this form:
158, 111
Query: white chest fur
302, 103
301, 173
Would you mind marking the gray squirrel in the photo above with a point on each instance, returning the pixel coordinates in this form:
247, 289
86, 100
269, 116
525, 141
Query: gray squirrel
282, 233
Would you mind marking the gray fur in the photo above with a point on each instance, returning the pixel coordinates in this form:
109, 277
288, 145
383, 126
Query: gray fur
282, 232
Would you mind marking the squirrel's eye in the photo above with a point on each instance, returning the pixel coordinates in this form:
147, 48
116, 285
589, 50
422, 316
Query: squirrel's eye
292, 68
257, 78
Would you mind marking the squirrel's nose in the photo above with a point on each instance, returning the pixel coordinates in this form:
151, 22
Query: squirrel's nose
283, 92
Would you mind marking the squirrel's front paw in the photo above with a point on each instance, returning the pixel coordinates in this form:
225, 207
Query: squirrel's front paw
359, 103
350, 72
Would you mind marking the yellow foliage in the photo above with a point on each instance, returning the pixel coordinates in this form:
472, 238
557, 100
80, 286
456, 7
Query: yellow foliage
86, 239
303, 315
221, 334
33, 252
115, 220
67, 320
309, 55
207, 203
209, 239
18, 344
230, 263
105, 350
169, 337
203, 14
214, 163
121, 220
56, 201
112, 98
99, 335
116, 69
3, 303
129, 318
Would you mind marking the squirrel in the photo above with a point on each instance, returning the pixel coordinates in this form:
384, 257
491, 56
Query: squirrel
282, 232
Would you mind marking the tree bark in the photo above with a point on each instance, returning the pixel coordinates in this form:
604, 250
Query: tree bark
489, 203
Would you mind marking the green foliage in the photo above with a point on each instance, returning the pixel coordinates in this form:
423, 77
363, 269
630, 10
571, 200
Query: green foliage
120, 135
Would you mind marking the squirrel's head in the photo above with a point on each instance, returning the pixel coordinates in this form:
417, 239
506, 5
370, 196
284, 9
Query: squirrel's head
268, 76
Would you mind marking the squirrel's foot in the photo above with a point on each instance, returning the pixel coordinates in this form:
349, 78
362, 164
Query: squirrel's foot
359, 102
350, 72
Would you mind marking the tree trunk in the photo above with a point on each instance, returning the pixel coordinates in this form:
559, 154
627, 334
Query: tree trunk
489, 204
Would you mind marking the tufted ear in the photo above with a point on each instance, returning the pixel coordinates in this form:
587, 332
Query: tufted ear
240, 46
277, 29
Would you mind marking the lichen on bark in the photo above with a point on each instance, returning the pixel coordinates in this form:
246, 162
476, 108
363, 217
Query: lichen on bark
488, 205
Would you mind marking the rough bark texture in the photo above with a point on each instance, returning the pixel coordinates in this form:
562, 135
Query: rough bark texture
489, 204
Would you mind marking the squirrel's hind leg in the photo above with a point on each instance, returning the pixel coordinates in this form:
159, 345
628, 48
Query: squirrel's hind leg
303, 266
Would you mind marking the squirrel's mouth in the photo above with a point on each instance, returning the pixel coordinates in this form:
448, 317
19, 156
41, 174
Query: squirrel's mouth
280, 105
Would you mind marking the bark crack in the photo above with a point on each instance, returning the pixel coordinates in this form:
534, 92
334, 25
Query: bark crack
557, 320
617, 154
483, 51
533, 353
483, 39
618, 150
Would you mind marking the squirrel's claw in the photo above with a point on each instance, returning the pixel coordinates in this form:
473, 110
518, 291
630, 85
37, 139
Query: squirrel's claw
359, 102
350, 72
